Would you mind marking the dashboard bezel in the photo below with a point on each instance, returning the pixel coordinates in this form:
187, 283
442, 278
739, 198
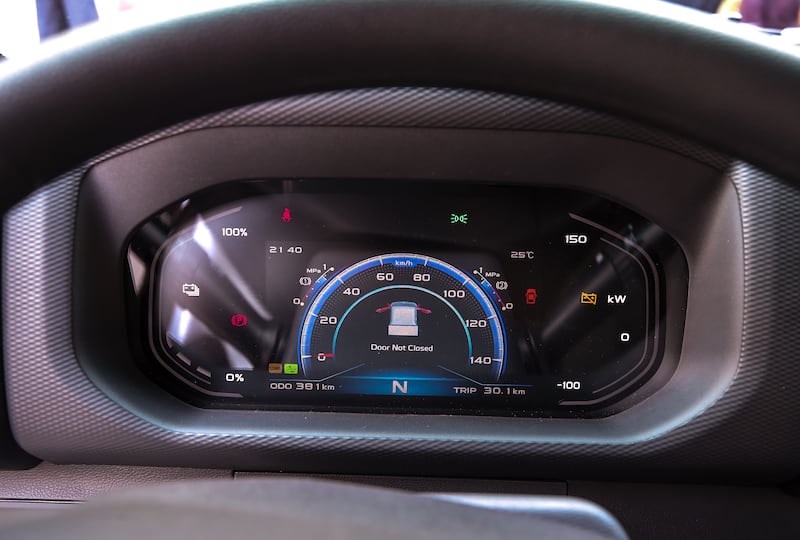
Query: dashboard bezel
528, 207
119, 193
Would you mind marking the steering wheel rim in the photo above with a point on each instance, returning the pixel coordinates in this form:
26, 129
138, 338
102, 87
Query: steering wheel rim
98, 88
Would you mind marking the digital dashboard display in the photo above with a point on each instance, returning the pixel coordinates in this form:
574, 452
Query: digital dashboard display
378, 296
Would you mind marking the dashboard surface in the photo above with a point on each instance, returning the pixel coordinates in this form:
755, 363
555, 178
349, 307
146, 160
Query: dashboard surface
121, 407
141, 327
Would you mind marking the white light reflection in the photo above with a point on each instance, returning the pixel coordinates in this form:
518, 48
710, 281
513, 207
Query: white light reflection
236, 360
179, 325
202, 236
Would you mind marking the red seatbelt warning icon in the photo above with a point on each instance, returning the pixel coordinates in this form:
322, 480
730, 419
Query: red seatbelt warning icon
530, 296
287, 216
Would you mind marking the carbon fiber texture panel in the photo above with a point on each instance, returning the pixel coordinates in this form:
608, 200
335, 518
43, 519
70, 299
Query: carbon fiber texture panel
55, 406
439, 108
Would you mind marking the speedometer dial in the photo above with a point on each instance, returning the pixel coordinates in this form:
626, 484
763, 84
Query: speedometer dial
401, 323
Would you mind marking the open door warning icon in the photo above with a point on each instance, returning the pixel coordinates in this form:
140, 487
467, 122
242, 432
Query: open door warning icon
403, 318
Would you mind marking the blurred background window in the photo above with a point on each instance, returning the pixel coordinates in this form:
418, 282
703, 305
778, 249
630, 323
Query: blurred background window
57, 16
774, 14
24, 23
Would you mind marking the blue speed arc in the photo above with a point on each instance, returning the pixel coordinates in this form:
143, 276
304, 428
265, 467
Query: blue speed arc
403, 324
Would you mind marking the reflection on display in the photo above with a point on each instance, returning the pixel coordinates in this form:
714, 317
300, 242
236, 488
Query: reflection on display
405, 297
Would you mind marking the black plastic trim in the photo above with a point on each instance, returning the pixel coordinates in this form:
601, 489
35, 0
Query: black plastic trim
373, 154
105, 432
646, 62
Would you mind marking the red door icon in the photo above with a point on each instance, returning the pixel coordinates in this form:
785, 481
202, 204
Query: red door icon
530, 296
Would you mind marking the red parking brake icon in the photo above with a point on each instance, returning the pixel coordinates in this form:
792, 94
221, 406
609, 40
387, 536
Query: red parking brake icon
530, 297
239, 320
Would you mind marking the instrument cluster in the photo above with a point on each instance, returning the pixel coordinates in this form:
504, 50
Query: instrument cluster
404, 297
